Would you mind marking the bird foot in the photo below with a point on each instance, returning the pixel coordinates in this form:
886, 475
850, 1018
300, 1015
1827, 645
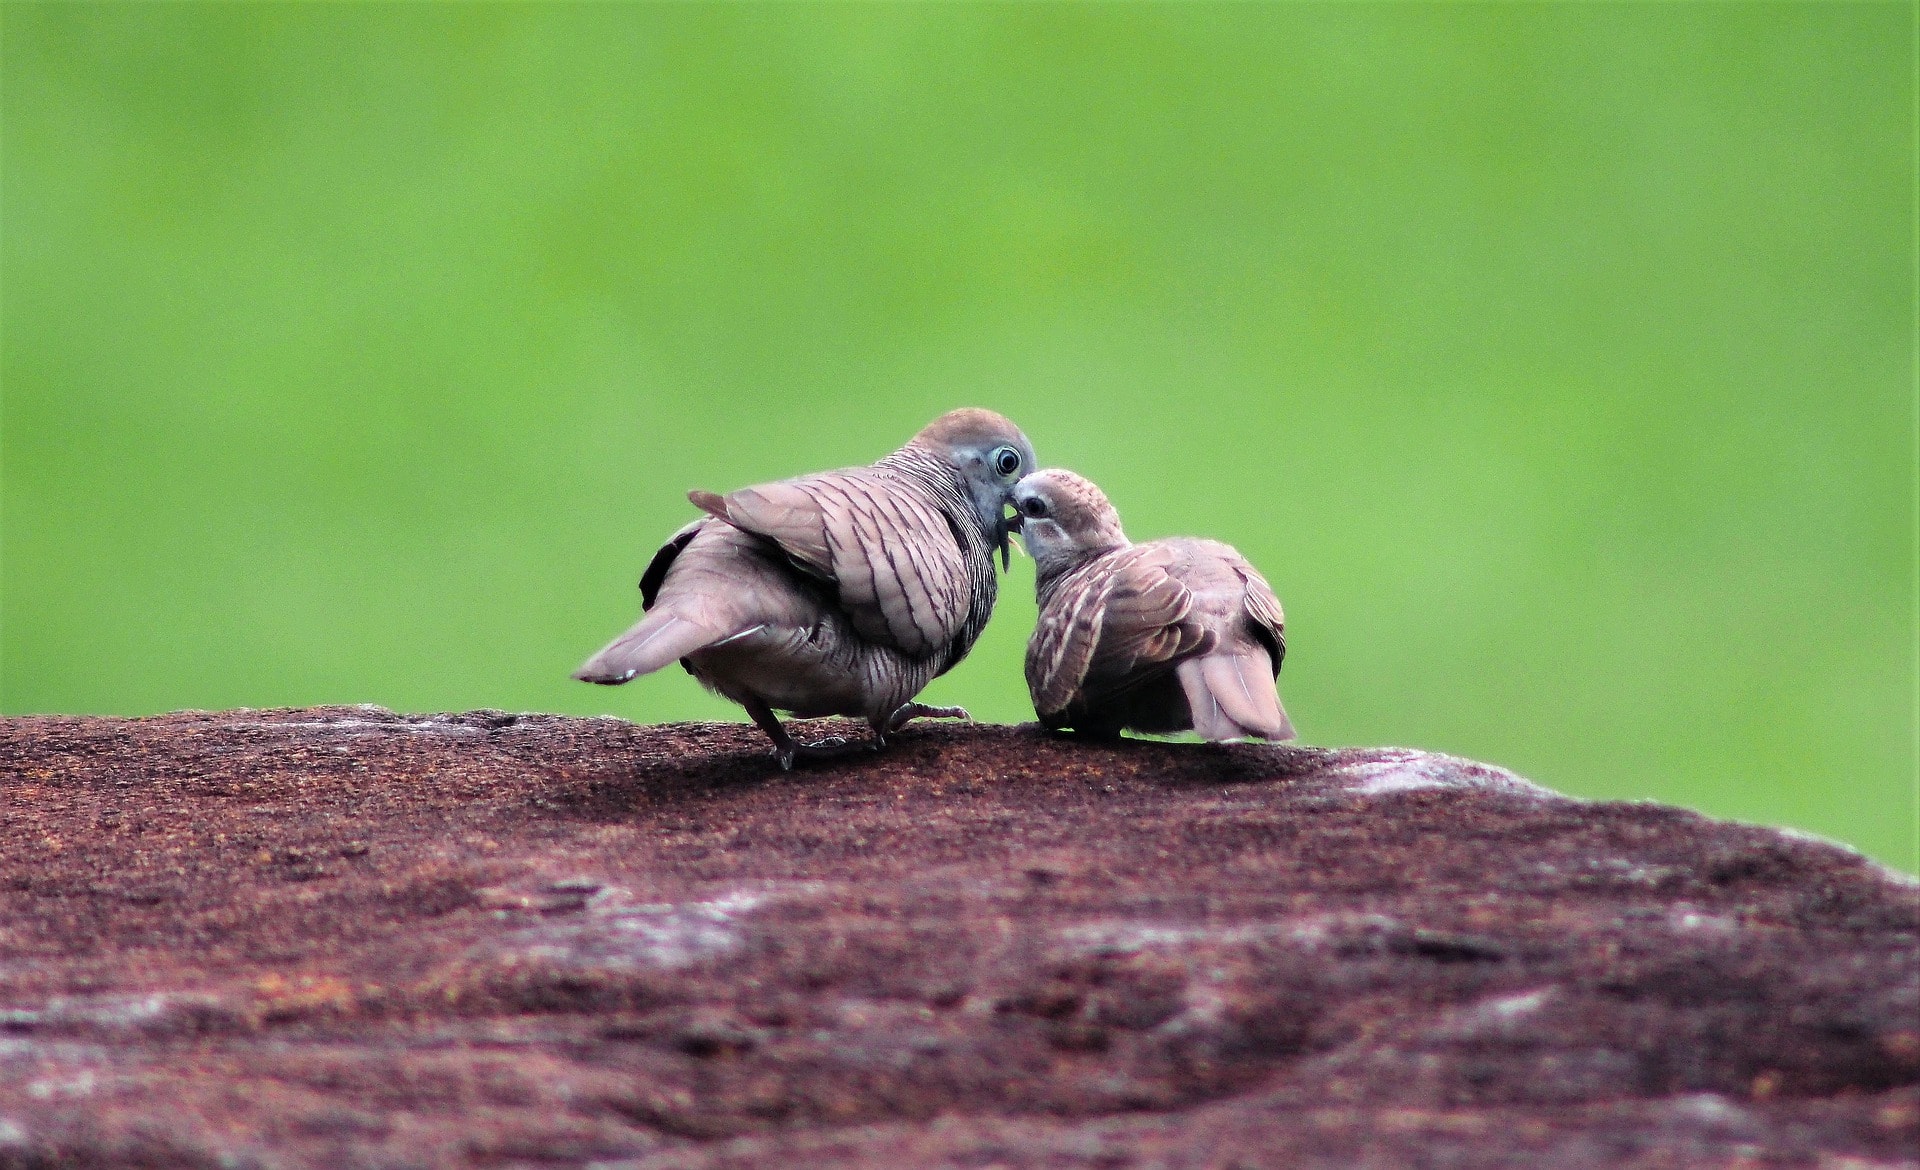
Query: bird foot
921, 711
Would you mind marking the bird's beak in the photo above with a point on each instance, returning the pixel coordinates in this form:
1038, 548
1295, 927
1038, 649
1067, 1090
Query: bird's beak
1008, 526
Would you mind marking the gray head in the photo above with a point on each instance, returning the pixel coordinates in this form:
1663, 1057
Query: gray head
988, 455
1062, 518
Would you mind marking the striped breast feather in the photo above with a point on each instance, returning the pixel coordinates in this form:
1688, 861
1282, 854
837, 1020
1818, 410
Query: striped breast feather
887, 550
1064, 635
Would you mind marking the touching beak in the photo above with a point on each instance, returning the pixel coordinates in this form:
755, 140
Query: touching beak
1008, 526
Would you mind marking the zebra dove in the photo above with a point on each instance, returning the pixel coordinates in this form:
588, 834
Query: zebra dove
840, 593
1155, 637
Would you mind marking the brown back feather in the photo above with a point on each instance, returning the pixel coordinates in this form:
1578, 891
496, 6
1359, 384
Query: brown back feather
1110, 624
886, 548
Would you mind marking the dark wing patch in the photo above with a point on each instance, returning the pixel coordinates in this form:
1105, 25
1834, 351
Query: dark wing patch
663, 560
1269, 623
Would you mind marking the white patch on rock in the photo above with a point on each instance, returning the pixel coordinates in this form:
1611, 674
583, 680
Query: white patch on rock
1685, 917
1318, 930
360, 727
1406, 770
1633, 873
1311, 933
1203, 1012
1128, 937
1498, 1016
619, 933
658, 935
1713, 1112
155, 1013
80, 1084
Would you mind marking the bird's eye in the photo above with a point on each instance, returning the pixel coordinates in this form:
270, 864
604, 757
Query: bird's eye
1033, 506
1006, 461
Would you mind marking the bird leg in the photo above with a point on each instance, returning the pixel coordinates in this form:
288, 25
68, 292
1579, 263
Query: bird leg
786, 749
907, 711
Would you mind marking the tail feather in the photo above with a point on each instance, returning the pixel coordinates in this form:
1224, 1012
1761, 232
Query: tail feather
1209, 720
659, 638
1232, 695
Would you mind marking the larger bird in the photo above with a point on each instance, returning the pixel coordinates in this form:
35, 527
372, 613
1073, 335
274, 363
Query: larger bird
840, 593
1156, 637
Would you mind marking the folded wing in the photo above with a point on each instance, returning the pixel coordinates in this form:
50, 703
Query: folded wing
1110, 626
887, 552
1263, 608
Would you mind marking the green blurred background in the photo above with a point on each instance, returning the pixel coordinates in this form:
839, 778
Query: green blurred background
1553, 361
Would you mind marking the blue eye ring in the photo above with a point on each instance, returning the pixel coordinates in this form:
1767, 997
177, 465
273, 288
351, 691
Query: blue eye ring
1006, 461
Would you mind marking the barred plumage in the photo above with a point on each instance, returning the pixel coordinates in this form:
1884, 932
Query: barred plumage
937, 478
839, 593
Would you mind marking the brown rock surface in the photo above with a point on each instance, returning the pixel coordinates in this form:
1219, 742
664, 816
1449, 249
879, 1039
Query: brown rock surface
344, 938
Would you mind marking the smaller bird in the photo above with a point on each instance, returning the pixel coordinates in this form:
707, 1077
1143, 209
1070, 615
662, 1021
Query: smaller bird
1159, 637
